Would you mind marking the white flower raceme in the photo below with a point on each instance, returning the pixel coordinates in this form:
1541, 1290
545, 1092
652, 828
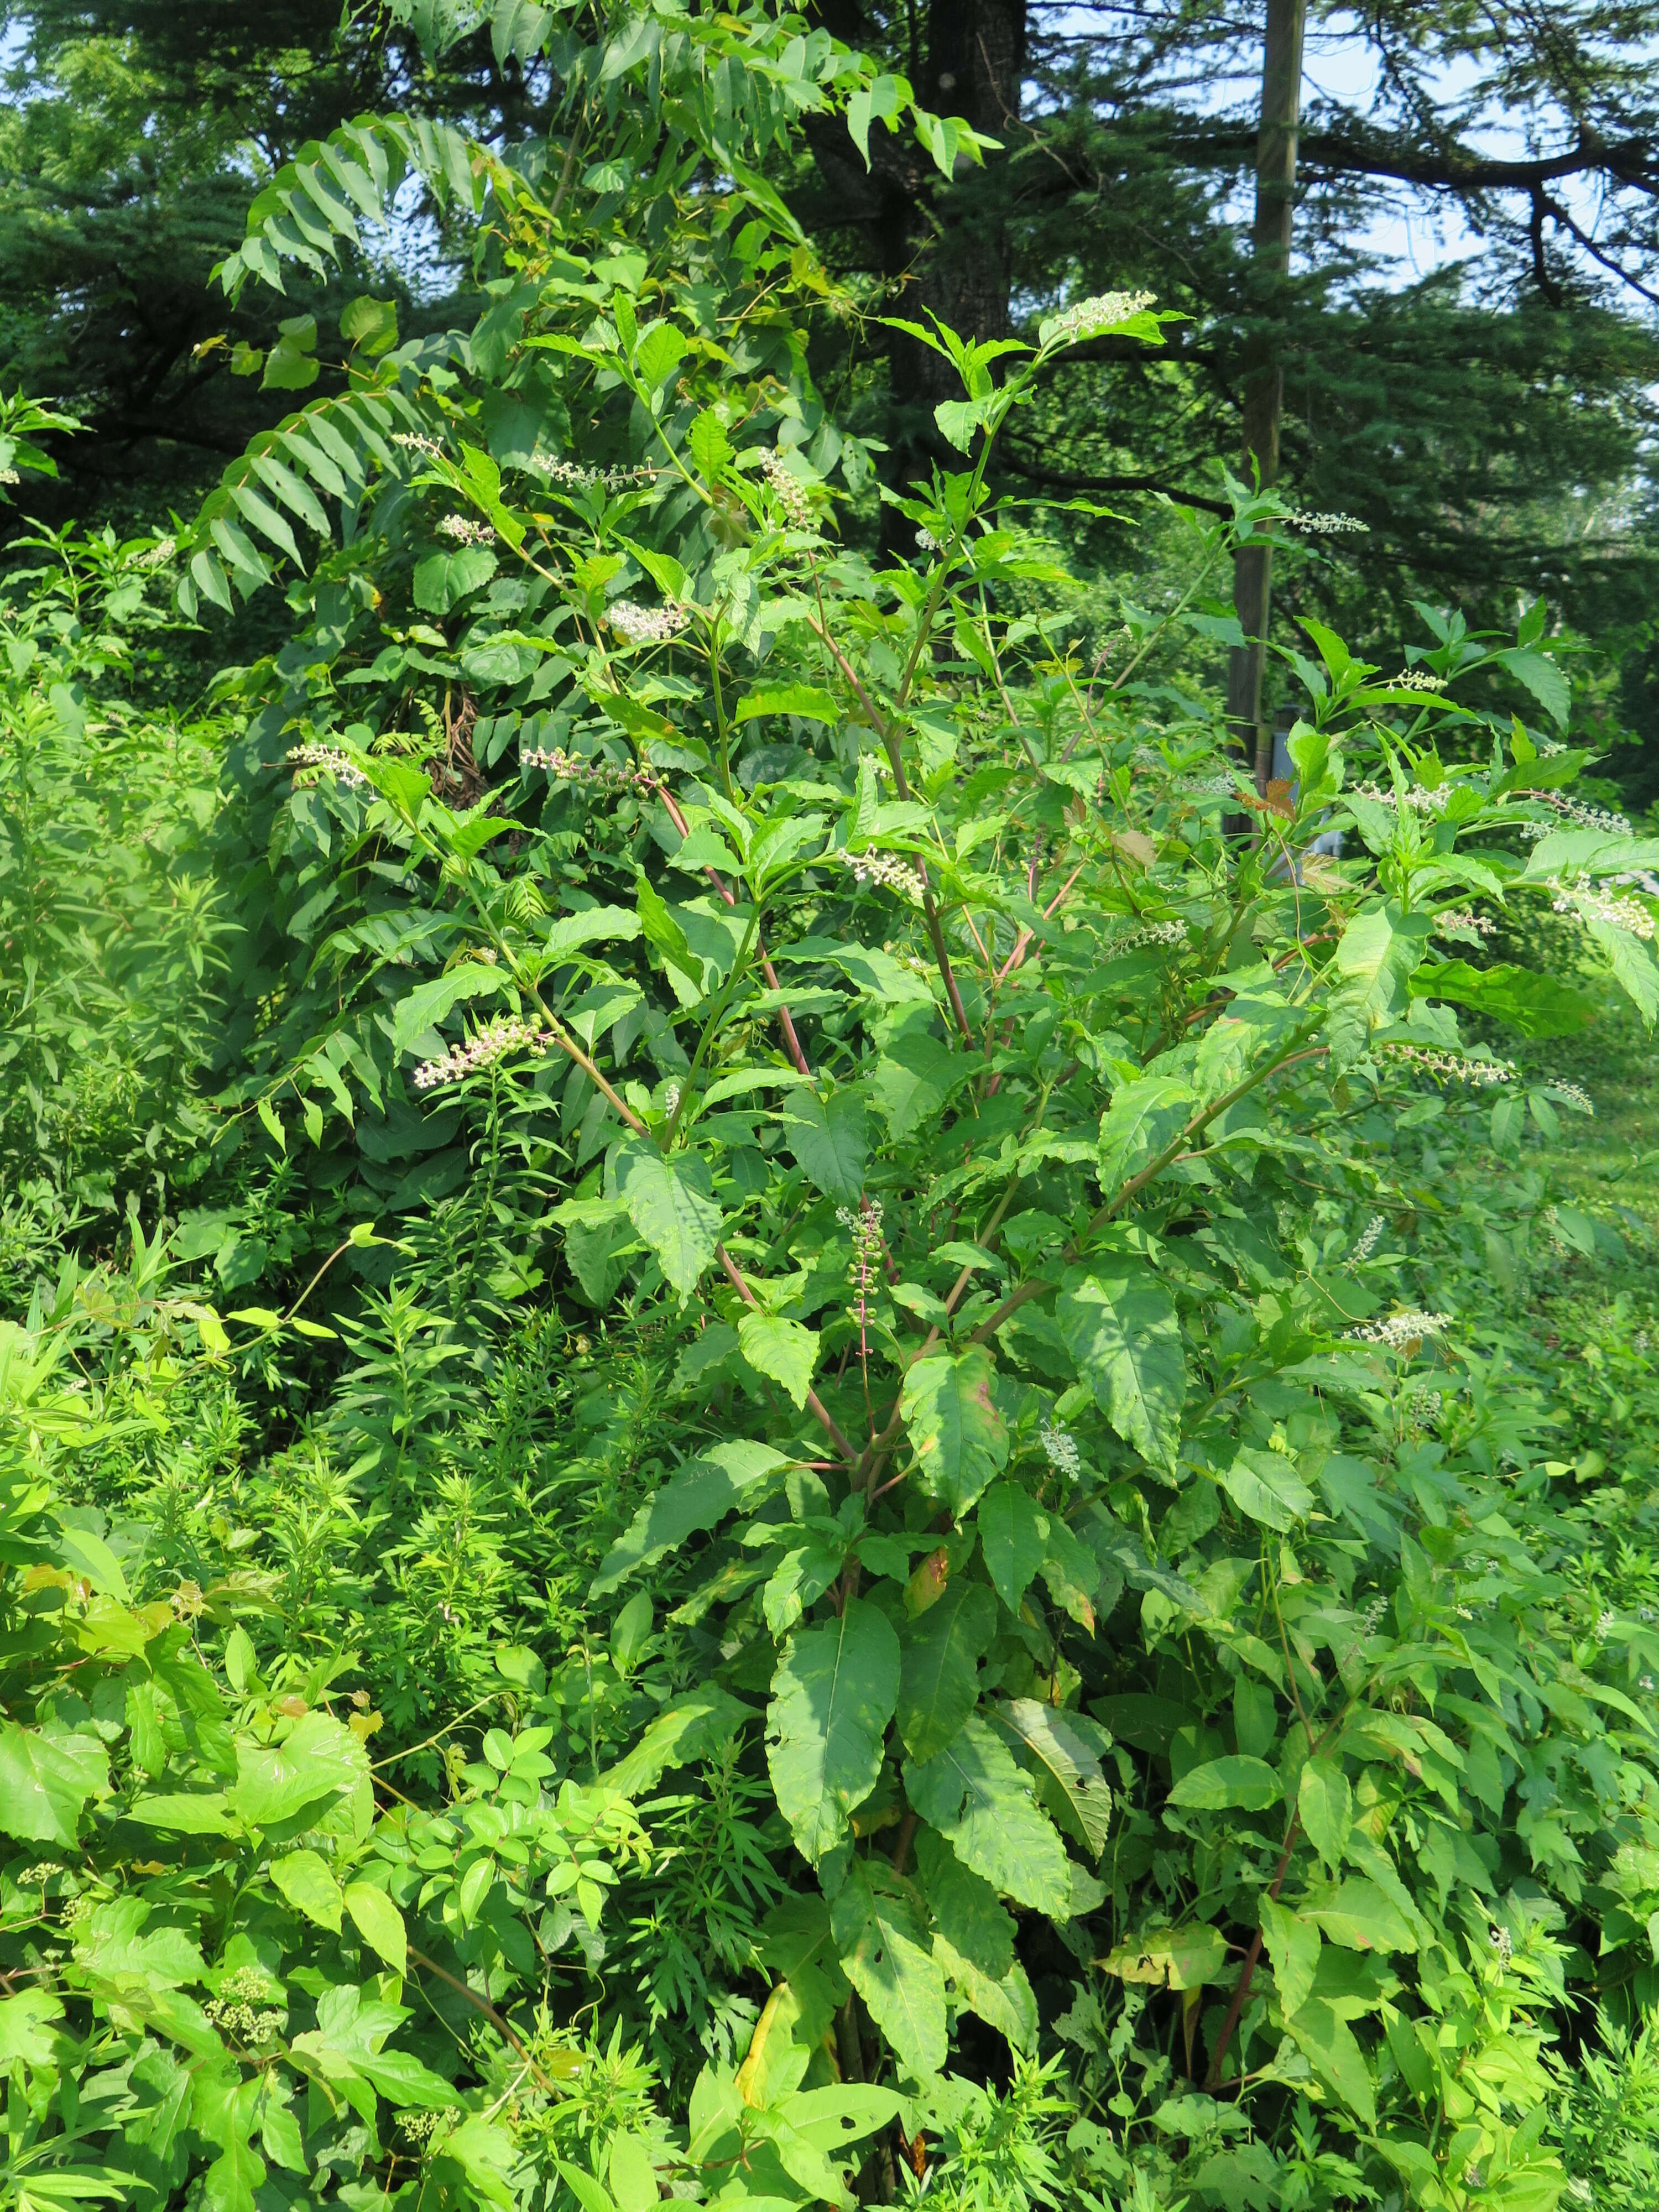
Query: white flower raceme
465, 531
788, 489
163, 549
887, 869
1419, 798
1367, 1243
646, 625
492, 1042
1086, 318
10, 476
1416, 680
1451, 1066
1591, 904
1328, 525
1464, 919
1059, 1449
1581, 817
868, 1247
1400, 1329
1574, 1094
570, 768
1155, 932
312, 760
572, 472
412, 441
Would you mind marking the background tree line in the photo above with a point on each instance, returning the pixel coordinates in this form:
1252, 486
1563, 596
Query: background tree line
1488, 422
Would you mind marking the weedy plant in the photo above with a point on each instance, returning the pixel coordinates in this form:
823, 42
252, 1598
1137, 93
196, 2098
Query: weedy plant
898, 1154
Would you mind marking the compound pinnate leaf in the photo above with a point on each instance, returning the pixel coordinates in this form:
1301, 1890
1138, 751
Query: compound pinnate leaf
832, 1698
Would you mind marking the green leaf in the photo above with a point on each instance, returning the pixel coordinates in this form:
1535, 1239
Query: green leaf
981, 1803
670, 1203
806, 700
442, 581
701, 1495
710, 447
1069, 1778
1326, 1804
783, 1349
1357, 1914
1249, 1785
1293, 1945
316, 1760
965, 1909
369, 325
429, 1003
882, 1944
1143, 1119
832, 1696
567, 933
1329, 2045
1542, 678
1376, 957
829, 1140
1537, 1006
1171, 1958
305, 1879
45, 1779
379, 1924
1635, 966
1122, 1329
958, 1435
1266, 1486
938, 1678
1013, 1536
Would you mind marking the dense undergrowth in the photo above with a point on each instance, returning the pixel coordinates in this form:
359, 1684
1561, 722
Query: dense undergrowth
778, 1417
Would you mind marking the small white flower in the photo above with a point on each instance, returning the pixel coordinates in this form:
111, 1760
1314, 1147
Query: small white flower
412, 441
1576, 811
465, 531
1155, 932
1590, 903
1059, 1449
1328, 525
1086, 318
1466, 920
314, 760
887, 869
1416, 680
1451, 1066
1419, 798
788, 489
646, 625
570, 768
1367, 1243
492, 1042
1400, 1329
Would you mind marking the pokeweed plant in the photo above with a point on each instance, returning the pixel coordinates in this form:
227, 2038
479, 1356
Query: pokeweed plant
982, 1089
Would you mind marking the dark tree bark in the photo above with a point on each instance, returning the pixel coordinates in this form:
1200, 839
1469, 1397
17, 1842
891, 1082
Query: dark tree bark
941, 248
1264, 382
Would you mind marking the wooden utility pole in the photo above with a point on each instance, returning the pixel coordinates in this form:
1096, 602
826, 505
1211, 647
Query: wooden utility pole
1264, 383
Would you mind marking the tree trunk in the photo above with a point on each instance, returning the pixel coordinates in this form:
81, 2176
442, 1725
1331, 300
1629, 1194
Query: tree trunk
1264, 382
939, 248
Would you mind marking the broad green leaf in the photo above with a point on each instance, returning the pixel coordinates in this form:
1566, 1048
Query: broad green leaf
964, 1908
1144, 1119
1068, 1773
45, 1779
938, 1678
1329, 2045
981, 1803
428, 1004
695, 1726
832, 1696
316, 1760
567, 933
370, 324
186, 1812
1120, 1328
1171, 1958
1008, 2004
1326, 1805
442, 581
885, 1953
1265, 1485
959, 1437
806, 700
1292, 1943
783, 1349
378, 1921
701, 1495
1376, 957
829, 1140
1357, 1915
670, 1203
1249, 1786
1635, 966
305, 1879
1537, 1006
1543, 677
1013, 1536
